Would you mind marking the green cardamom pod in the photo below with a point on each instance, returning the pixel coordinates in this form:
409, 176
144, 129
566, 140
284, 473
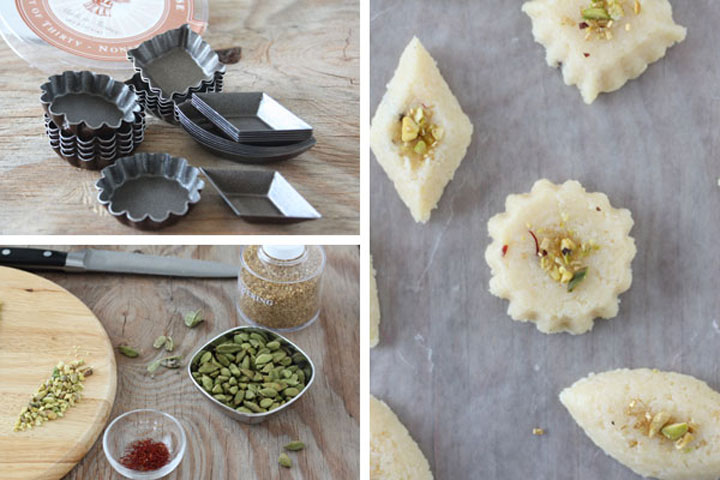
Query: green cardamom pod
207, 382
291, 392
268, 392
263, 359
172, 362
160, 341
169, 344
205, 357
274, 345
153, 366
208, 368
128, 351
285, 461
295, 446
193, 319
266, 402
252, 406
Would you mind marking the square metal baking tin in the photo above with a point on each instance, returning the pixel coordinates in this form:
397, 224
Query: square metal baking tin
251, 117
260, 196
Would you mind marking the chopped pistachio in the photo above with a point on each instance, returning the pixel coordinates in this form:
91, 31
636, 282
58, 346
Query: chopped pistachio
658, 421
675, 430
419, 135
538, 431
595, 14
410, 129
684, 441
577, 277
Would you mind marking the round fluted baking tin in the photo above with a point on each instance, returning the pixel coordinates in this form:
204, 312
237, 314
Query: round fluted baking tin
95, 153
88, 103
39, 32
149, 190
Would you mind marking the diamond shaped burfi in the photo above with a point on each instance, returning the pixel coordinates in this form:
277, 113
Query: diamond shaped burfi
420, 164
601, 48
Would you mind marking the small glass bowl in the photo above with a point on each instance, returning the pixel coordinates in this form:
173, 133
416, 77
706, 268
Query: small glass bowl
139, 425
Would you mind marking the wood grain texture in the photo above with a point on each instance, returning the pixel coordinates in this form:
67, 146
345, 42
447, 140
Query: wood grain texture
137, 309
468, 382
304, 53
40, 325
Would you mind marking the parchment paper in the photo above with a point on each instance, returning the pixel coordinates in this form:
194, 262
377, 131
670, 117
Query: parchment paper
468, 382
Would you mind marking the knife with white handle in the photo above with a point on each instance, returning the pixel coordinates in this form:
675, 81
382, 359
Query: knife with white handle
113, 262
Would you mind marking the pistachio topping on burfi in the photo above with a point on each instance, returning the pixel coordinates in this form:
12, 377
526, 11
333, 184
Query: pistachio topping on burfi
418, 133
601, 44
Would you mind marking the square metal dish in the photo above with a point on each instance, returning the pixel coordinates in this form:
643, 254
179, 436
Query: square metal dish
251, 418
205, 133
260, 196
251, 117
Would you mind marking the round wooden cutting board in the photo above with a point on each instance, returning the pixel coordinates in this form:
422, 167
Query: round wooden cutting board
41, 324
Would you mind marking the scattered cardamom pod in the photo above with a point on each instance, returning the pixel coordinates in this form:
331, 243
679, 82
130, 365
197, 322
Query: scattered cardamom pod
251, 371
192, 319
153, 366
172, 362
128, 351
285, 461
169, 344
160, 341
295, 446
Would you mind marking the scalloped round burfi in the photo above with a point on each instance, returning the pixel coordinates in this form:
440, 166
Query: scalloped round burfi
661, 425
561, 256
419, 133
601, 48
394, 455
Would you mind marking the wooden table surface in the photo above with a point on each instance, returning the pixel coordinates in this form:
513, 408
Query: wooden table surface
304, 53
137, 309
468, 382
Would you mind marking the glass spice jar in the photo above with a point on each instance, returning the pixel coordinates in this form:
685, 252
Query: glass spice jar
279, 285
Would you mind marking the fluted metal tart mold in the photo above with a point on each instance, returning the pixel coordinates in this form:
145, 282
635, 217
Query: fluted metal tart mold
84, 114
96, 152
143, 56
149, 191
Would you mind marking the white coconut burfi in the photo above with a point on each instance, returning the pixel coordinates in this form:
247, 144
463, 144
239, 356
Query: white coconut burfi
561, 256
374, 308
394, 455
661, 425
419, 134
602, 44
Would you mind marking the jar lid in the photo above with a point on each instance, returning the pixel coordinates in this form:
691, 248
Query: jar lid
56, 35
284, 263
284, 252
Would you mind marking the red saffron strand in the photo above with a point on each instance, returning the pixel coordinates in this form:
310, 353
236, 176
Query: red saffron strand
537, 245
146, 455
504, 250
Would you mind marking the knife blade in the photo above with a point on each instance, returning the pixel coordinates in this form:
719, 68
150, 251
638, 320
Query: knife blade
91, 260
